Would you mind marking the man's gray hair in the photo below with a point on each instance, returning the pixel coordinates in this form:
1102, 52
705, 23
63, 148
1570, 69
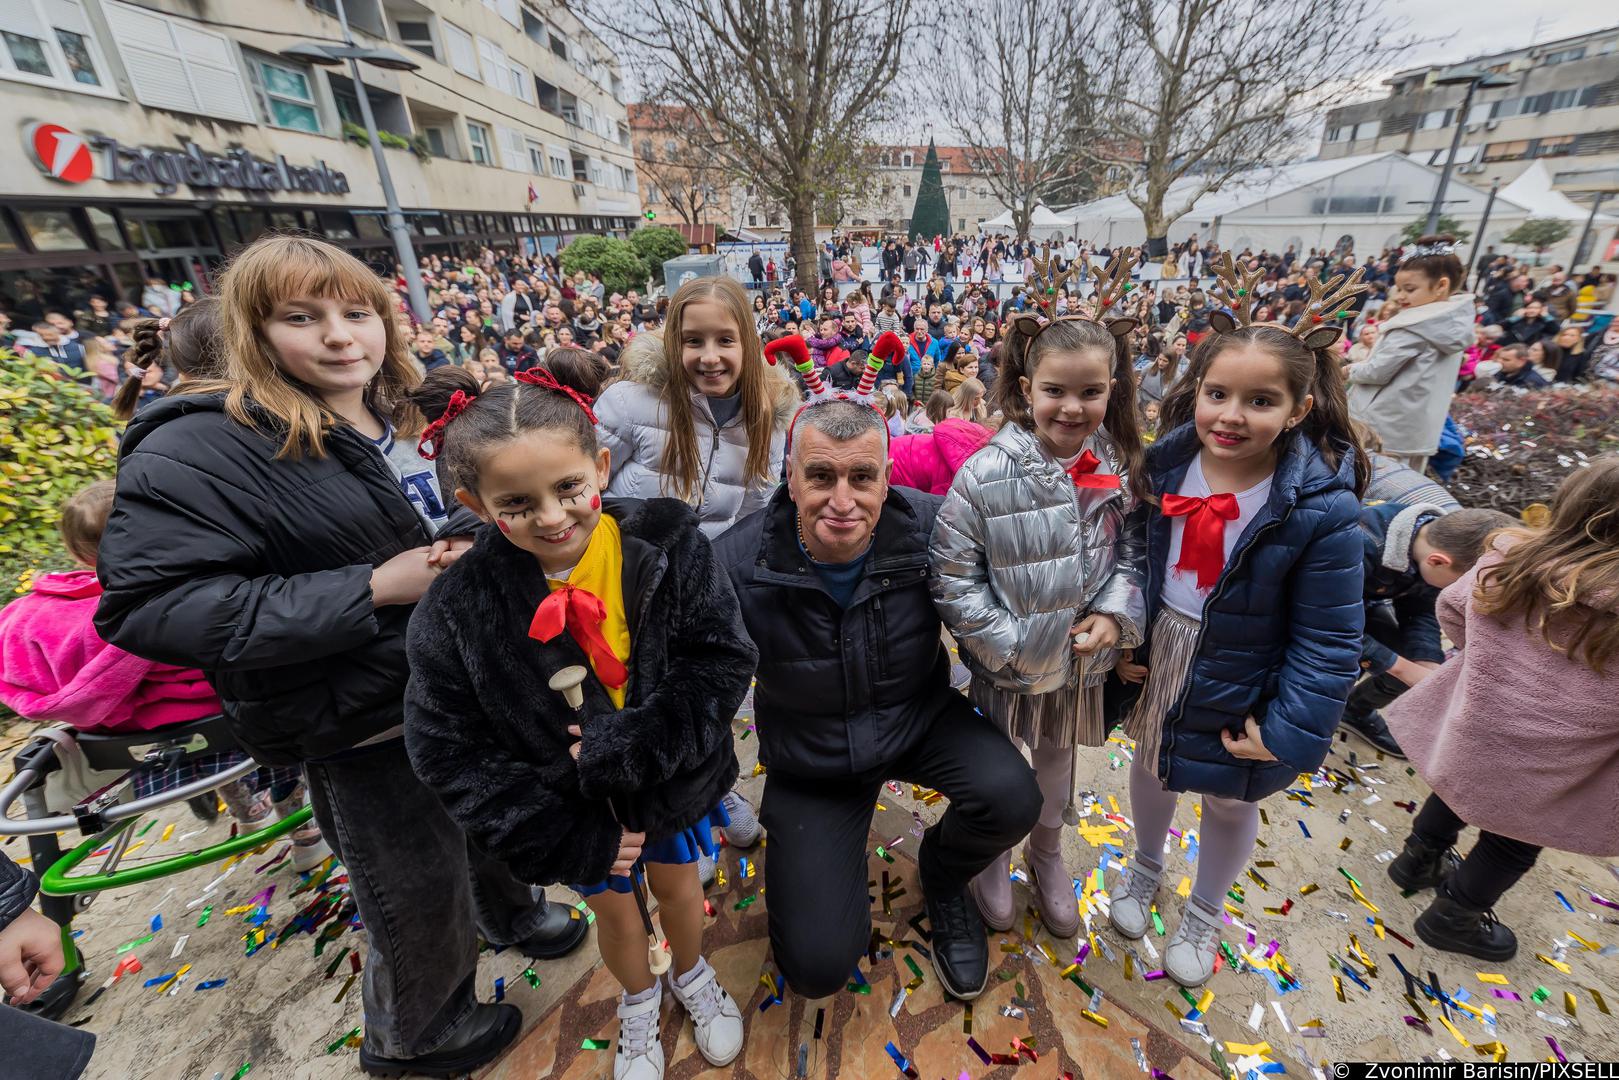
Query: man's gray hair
840, 421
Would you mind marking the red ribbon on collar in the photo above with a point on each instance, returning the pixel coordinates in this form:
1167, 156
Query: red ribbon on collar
1203, 541
581, 613
1084, 473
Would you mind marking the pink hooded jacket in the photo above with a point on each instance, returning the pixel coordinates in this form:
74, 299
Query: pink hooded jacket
1515, 737
54, 667
929, 461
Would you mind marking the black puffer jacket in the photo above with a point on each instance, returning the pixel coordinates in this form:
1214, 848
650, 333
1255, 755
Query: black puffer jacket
258, 571
486, 733
841, 692
17, 890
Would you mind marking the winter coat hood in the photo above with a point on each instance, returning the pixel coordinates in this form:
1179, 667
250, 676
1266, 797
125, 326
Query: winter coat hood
928, 461
1446, 324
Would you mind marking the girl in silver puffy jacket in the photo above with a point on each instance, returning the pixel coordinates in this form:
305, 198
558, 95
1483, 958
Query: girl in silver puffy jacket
1036, 567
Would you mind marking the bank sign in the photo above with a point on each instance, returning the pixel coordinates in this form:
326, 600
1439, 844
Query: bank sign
71, 158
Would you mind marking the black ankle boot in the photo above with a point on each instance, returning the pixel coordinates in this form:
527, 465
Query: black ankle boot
479, 1040
1454, 927
558, 934
1420, 866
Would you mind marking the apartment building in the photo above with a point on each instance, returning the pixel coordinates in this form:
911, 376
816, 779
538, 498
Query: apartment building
897, 174
155, 136
1562, 107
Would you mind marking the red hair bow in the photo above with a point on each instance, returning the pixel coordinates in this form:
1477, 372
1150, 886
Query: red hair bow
541, 377
794, 345
1084, 475
1203, 540
432, 440
581, 613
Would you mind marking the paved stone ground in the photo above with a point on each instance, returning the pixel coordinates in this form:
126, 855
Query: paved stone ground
279, 1011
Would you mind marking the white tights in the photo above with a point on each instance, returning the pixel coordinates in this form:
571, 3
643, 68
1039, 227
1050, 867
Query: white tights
1225, 840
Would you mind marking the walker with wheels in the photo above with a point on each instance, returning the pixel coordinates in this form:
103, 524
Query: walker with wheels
80, 780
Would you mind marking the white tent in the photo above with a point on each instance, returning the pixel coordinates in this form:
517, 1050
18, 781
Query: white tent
1044, 223
1534, 192
1359, 203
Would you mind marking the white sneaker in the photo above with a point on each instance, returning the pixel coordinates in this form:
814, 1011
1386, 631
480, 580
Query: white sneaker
717, 1019
1130, 909
705, 869
1189, 959
640, 1053
743, 831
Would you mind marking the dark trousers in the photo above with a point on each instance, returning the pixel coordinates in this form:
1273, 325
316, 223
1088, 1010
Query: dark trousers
423, 891
1493, 866
1376, 691
815, 870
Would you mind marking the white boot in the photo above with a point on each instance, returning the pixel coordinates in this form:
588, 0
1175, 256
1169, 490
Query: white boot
1189, 959
717, 1020
743, 831
1131, 903
640, 1054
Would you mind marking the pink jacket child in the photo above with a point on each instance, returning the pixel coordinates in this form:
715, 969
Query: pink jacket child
54, 667
1516, 737
929, 461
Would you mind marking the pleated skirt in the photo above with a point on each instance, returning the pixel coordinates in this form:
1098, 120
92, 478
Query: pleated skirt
1174, 644
1064, 718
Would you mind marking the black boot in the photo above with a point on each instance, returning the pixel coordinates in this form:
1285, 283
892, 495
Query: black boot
1422, 867
205, 807
478, 1041
559, 934
1453, 927
1374, 730
960, 944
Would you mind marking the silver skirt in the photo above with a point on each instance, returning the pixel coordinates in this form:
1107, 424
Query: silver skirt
1056, 719
1174, 644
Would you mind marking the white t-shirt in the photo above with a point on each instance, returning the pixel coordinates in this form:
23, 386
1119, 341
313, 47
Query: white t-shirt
418, 478
1180, 587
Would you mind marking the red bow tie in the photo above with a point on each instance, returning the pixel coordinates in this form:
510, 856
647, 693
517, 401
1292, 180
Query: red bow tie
1084, 475
581, 613
1203, 541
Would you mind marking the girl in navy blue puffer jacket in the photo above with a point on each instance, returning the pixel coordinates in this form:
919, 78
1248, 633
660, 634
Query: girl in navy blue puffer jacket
1253, 591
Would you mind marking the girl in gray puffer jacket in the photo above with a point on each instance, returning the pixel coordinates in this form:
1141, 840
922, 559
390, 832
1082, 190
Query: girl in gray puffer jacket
1036, 570
699, 415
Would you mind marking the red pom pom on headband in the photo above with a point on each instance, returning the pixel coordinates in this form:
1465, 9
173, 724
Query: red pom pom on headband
541, 377
432, 440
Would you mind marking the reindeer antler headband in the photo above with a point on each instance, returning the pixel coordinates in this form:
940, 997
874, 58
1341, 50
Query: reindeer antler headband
1112, 285
1321, 324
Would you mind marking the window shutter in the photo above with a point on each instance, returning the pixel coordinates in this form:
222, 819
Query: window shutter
508, 11
513, 151
205, 81
463, 57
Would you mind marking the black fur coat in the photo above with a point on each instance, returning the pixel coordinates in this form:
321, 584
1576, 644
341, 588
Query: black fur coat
490, 738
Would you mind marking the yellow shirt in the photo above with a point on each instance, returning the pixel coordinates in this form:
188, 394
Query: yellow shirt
600, 571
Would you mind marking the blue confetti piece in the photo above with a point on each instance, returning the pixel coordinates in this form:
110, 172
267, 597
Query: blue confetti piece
900, 1061
1305, 830
1561, 899
211, 984
500, 989
157, 922
158, 979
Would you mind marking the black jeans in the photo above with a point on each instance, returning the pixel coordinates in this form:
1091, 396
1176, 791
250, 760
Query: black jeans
423, 892
1376, 691
815, 870
1493, 866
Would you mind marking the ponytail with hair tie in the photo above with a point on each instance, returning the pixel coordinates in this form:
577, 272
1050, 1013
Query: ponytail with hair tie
432, 440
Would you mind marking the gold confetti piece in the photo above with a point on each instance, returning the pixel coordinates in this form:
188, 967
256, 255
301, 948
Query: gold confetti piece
168, 831
1568, 1004
1129, 968
1379, 929
1558, 964
1452, 1029
1184, 889
1176, 1013
1496, 1050
1596, 996
1491, 977
1247, 1049
1343, 845
1306, 890
1099, 1021
1205, 1001
758, 769
1338, 987
880, 806
1593, 946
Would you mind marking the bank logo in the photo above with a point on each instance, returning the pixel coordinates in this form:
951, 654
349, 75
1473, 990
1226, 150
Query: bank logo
63, 155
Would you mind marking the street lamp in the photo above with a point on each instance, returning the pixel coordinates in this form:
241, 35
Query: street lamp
1473, 79
331, 55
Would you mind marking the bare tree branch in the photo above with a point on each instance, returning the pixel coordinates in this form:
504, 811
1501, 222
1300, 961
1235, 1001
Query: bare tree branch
1196, 91
782, 94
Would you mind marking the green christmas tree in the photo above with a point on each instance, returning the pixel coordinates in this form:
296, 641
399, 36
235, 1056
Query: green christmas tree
931, 215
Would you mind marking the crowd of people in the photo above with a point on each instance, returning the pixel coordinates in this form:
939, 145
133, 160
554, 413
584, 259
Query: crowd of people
388, 547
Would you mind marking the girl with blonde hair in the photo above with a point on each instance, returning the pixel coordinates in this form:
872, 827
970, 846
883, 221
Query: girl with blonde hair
275, 527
